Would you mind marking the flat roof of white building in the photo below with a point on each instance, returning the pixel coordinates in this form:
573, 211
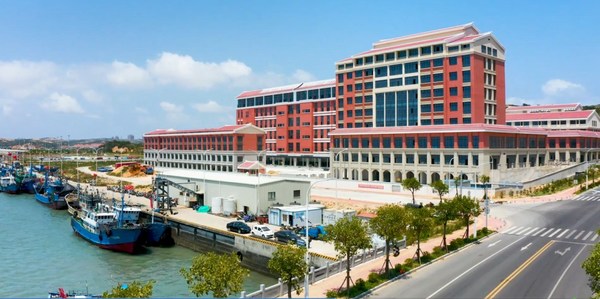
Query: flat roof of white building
235, 177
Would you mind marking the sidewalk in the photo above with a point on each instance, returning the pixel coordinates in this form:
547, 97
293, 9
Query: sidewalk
566, 194
320, 288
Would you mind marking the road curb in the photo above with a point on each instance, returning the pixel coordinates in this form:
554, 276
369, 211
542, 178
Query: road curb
369, 292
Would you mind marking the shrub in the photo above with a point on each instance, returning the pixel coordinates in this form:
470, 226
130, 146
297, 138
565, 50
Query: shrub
426, 258
332, 293
361, 284
374, 277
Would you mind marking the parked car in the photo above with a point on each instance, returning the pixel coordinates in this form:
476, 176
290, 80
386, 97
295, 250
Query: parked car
288, 236
105, 169
262, 231
238, 227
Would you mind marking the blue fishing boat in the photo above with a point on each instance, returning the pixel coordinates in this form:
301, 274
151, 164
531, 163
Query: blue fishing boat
8, 183
114, 228
71, 294
53, 192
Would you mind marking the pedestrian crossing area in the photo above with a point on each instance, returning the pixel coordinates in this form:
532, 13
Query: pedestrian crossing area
554, 233
589, 197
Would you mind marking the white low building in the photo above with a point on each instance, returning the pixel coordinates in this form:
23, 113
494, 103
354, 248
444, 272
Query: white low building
250, 193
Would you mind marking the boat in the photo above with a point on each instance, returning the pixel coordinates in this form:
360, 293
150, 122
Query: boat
109, 227
52, 193
71, 294
26, 180
8, 183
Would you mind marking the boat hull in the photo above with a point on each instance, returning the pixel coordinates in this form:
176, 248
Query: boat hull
59, 204
11, 189
156, 234
117, 239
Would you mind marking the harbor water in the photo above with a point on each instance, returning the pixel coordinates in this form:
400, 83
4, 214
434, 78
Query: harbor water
40, 253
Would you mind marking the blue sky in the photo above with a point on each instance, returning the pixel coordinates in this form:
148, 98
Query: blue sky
113, 68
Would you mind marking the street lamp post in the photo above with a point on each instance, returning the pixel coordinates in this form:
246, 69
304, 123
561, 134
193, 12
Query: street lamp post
450, 163
96, 150
338, 173
258, 181
204, 172
587, 167
306, 256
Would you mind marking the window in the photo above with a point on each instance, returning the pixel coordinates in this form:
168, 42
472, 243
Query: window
390, 56
466, 76
387, 142
375, 141
340, 78
453, 106
425, 93
438, 107
410, 142
475, 141
358, 112
438, 121
412, 67
425, 108
467, 107
398, 142
368, 72
381, 71
413, 52
435, 142
449, 142
381, 83
466, 60
453, 60
401, 54
369, 60
438, 49
453, 92
395, 69
438, 77
349, 88
422, 142
368, 85
425, 64
438, 62
425, 50
453, 76
396, 82
358, 74
465, 47
463, 141
410, 159
358, 61
379, 58
349, 101
296, 193
466, 92
349, 113
358, 86
422, 159
425, 122
425, 78
483, 48
364, 142
349, 75
438, 92
411, 80
271, 196
454, 121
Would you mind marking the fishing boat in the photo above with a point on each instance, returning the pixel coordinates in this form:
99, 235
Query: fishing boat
71, 294
8, 183
52, 193
113, 228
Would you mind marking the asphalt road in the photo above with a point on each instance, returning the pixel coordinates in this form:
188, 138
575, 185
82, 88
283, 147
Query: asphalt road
538, 255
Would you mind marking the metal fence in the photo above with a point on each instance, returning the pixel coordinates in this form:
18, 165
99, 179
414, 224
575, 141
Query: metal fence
280, 288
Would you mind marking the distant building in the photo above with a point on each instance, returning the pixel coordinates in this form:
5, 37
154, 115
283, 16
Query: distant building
553, 117
130, 138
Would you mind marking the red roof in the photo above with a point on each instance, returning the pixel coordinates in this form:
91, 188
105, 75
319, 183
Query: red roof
223, 129
287, 88
459, 128
517, 109
251, 165
573, 133
549, 115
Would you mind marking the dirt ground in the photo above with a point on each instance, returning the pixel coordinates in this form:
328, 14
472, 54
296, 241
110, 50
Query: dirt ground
361, 207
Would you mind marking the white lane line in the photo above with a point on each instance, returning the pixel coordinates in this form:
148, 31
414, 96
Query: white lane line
518, 231
546, 232
523, 232
531, 231
554, 233
475, 266
594, 238
587, 236
565, 272
539, 231
561, 234
571, 233
579, 234
510, 229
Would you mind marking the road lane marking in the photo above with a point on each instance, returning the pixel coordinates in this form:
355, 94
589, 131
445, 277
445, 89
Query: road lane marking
494, 244
565, 272
523, 232
546, 232
475, 266
561, 234
587, 236
539, 231
526, 246
510, 229
579, 234
571, 233
562, 253
554, 233
594, 238
534, 229
517, 271
519, 230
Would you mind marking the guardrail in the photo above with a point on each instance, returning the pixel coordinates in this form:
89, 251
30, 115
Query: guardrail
314, 275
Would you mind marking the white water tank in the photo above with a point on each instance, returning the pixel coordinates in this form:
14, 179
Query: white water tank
217, 205
229, 206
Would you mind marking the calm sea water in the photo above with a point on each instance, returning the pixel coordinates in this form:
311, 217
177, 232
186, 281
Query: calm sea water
39, 252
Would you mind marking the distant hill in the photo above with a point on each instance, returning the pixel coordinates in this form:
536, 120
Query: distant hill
595, 107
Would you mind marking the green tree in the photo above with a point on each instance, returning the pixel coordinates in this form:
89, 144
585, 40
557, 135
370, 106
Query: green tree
288, 262
591, 265
440, 188
221, 274
420, 223
412, 185
466, 208
133, 290
484, 180
390, 223
348, 235
444, 213
456, 183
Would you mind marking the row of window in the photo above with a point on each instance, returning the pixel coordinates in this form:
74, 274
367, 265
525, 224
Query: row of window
402, 54
313, 94
422, 159
440, 121
489, 50
545, 123
408, 142
439, 107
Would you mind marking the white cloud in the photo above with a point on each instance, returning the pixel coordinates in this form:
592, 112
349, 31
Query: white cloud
210, 107
303, 76
62, 103
20, 79
184, 71
92, 96
556, 87
140, 110
174, 112
127, 74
